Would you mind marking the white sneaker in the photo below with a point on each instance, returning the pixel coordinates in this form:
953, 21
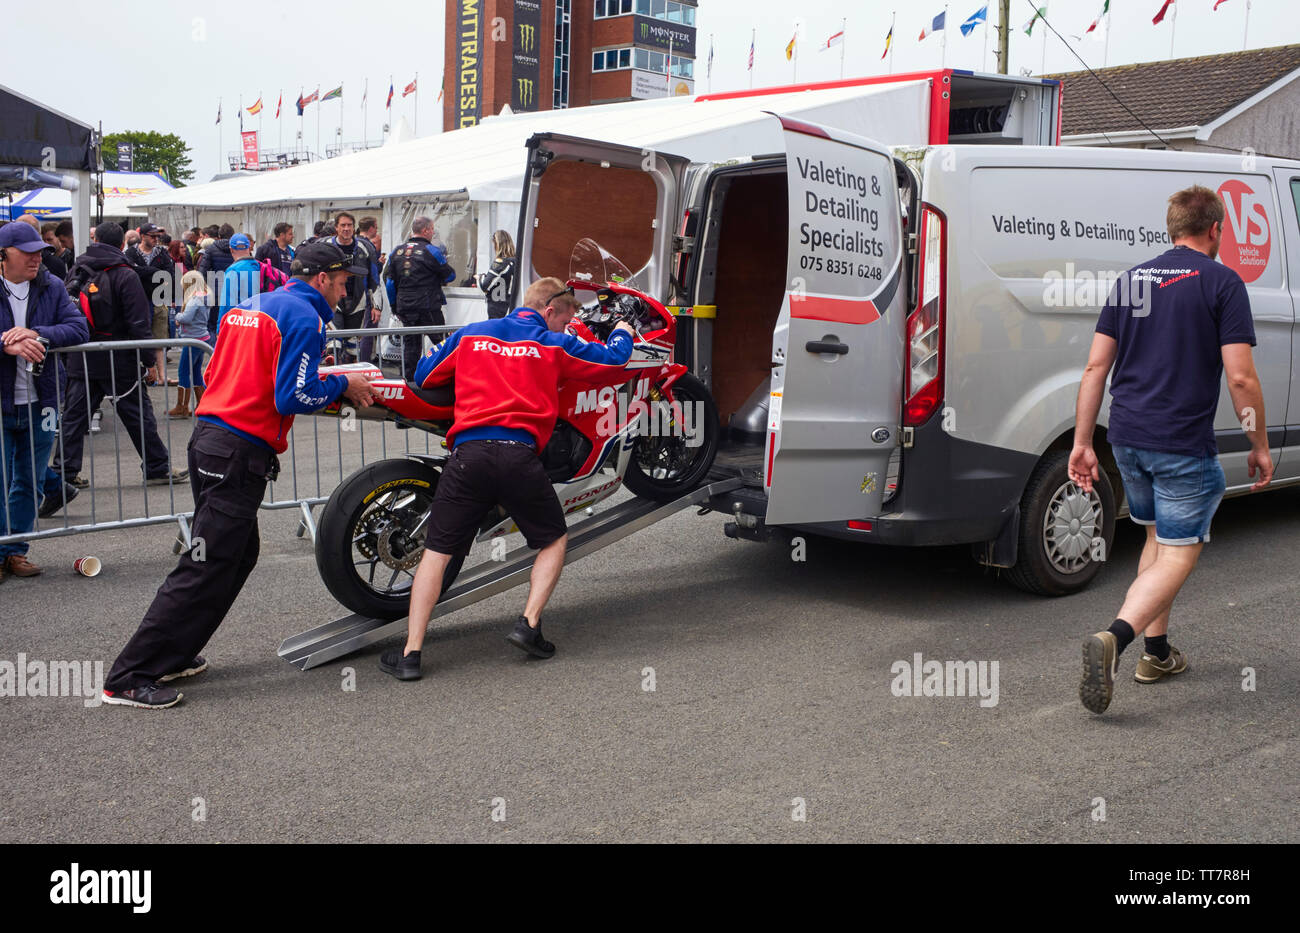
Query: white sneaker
94, 423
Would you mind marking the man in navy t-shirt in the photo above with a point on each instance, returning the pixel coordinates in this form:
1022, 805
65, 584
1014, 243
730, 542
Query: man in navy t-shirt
1171, 328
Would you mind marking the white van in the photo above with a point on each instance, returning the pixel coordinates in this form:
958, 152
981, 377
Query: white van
894, 339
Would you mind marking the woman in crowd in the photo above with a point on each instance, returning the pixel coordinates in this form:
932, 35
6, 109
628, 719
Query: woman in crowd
499, 280
192, 322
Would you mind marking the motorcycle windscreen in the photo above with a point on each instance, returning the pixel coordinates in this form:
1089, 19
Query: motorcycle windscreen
623, 198
837, 350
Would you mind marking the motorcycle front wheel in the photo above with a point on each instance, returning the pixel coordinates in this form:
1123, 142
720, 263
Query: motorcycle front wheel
676, 452
370, 537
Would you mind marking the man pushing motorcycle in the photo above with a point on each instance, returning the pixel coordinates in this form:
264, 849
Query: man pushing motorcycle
506, 374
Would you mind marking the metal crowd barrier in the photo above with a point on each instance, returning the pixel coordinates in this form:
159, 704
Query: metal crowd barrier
322, 452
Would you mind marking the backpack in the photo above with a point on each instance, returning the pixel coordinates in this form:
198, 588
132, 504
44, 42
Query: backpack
91, 292
271, 277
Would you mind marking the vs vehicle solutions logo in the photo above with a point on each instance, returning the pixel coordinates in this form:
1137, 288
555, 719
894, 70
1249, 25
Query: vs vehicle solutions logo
1247, 236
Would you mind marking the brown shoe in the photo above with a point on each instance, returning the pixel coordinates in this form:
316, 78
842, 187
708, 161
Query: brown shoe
20, 566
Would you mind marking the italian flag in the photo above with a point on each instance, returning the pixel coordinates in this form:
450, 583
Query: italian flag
1105, 8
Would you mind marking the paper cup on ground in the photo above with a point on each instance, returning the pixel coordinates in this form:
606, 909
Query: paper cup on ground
87, 566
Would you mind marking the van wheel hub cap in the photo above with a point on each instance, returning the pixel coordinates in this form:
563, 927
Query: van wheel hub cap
1071, 523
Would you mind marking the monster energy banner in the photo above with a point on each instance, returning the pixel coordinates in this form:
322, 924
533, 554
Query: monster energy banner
525, 68
657, 34
469, 62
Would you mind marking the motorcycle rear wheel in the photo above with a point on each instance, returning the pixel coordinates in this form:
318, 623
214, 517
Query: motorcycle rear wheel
665, 467
370, 537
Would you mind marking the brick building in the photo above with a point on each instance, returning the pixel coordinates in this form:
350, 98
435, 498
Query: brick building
552, 54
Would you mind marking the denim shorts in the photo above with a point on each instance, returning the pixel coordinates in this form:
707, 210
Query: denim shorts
1177, 493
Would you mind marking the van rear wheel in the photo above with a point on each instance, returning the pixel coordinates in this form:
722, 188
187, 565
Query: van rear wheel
1065, 533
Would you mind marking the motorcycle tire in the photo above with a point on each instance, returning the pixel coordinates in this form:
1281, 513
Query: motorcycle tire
649, 452
359, 521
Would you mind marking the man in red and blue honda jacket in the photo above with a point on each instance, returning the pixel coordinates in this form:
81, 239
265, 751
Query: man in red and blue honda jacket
507, 374
262, 373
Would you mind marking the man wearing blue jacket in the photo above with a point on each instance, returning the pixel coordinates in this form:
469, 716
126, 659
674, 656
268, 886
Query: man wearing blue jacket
262, 373
35, 312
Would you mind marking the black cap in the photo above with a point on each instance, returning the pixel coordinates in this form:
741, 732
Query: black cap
315, 258
151, 230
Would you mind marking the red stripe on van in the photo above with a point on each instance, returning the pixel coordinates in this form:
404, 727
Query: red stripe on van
840, 310
771, 455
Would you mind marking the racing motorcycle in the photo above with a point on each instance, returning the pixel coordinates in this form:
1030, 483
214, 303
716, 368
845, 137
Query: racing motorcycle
656, 434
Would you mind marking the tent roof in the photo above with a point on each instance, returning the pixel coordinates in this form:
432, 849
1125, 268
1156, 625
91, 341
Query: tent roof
487, 161
29, 129
120, 188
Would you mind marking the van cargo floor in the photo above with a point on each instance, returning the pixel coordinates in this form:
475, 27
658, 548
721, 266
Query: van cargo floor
743, 460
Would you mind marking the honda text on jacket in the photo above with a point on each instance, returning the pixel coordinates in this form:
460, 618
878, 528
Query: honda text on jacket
264, 368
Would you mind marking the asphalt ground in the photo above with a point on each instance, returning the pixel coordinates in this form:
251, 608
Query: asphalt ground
772, 695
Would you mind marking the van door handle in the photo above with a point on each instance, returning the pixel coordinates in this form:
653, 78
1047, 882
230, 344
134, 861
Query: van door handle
824, 346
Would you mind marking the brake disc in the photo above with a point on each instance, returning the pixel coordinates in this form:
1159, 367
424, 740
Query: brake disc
384, 545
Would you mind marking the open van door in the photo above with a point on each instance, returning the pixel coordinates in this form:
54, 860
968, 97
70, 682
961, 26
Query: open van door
624, 198
837, 351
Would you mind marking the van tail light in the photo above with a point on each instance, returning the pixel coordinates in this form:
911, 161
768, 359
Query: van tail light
925, 326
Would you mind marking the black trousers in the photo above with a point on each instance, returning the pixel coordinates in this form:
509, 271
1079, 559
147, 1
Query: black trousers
228, 476
413, 346
134, 410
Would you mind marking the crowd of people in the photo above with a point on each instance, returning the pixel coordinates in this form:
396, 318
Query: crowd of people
144, 284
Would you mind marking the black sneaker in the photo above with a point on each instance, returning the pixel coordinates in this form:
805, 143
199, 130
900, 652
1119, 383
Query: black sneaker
402, 667
197, 666
527, 638
52, 504
150, 696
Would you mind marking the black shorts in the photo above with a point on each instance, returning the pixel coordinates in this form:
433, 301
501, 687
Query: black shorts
481, 475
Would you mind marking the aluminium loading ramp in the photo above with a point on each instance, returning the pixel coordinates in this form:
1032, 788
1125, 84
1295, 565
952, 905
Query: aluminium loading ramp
333, 640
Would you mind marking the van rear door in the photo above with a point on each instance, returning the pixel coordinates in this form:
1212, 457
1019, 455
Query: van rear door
837, 351
626, 199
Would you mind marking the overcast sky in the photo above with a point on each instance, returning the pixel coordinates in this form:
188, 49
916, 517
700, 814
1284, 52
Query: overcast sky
163, 66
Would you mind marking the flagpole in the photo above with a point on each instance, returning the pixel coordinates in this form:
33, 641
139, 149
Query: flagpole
1042, 68
984, 62
365, 103
844, 36
1105, 53
388, 106
416, 130
753, 37
219, 156
794, 59
1246, 32
668, 70
1173, 28
709, 75
943, 61
279, 116
319, 108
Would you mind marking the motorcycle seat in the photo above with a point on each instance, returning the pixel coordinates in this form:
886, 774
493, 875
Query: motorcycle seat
439, 396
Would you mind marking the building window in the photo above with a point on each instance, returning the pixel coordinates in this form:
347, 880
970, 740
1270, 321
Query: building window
607, 8
667, 10
647, 60
560, 95
611, 59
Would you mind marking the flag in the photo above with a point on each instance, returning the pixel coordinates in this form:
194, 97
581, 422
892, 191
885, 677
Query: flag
832, 41
389, 103
409, 89
1218, 3
278, 102
709, 68
309, 99
979, 16
1039, 14
789, 49
935, 26
365, 93
442, 79
255, 109
335, 94
889, 37
1161, 15
1105, 8
218, 111
751, 54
